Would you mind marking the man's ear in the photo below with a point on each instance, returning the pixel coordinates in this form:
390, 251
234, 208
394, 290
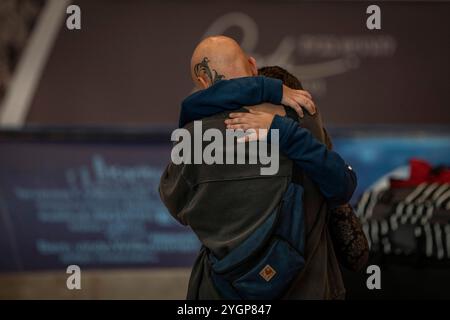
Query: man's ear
202, 82
253, 67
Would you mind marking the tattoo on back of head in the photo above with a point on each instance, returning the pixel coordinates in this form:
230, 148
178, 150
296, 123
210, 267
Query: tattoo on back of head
203, 67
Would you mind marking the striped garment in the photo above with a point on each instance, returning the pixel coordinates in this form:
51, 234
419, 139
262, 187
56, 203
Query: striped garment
411, 220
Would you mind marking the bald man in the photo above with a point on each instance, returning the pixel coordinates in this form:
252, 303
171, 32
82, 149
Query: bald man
228, 57
225, 205
221, 58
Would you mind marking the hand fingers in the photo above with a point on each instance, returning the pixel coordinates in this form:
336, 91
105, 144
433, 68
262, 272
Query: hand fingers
299, 111
305, 93
235, 121
238, 126
255, 112
307, 103
296, 106
244, 118
238, 115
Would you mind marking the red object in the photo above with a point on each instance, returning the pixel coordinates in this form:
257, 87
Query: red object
421, 172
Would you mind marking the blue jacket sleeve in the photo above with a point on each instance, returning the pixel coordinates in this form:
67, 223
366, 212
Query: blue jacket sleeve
335, 179
228, 95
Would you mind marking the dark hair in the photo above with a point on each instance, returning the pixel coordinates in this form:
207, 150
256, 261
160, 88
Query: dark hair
277, 72
288, 80
292, 82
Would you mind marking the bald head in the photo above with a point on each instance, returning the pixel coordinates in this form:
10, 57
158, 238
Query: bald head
217, 58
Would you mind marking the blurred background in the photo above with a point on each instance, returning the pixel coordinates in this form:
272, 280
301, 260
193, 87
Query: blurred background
86, 117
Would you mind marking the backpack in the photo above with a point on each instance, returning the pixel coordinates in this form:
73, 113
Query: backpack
265, 264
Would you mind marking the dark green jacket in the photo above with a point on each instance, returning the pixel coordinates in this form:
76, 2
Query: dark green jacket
223, 204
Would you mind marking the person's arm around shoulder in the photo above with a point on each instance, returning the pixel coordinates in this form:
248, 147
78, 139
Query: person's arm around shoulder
335, 179
233, 94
